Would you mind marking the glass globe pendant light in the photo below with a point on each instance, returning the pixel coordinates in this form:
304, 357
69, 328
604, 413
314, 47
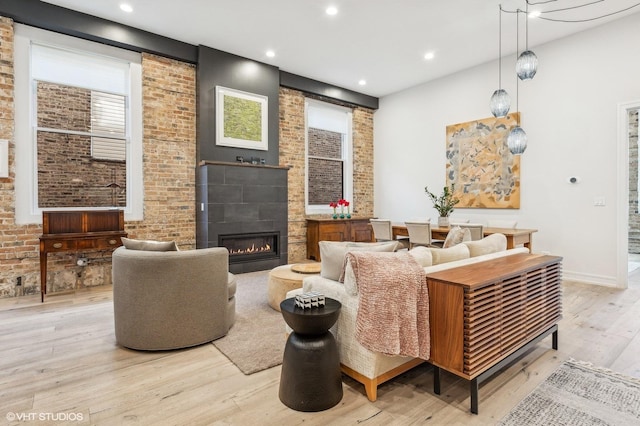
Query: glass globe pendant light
527, 63
517, 140
500, 102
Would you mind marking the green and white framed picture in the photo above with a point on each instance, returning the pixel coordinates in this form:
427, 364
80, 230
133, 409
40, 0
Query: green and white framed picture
241, 119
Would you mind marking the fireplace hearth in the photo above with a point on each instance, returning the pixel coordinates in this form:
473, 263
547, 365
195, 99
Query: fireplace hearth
248, 247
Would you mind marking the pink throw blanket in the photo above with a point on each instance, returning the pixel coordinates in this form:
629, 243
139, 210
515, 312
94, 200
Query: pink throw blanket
393, 312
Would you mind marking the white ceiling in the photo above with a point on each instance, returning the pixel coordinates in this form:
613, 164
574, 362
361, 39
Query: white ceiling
380, 41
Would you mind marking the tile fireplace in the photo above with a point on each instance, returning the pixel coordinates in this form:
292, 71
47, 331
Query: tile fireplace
243, 207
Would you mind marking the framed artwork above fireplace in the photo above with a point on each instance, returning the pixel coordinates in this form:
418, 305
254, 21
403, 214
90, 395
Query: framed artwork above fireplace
241, 119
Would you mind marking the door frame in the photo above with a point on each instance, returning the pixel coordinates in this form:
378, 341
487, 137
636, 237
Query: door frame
623, 195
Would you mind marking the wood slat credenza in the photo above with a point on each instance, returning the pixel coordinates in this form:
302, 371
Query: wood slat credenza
82, 230
485, 315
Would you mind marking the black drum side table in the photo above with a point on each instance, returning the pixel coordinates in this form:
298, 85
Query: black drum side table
310, 379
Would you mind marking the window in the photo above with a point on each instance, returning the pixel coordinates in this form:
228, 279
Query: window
108, 116
328, 155
78, 125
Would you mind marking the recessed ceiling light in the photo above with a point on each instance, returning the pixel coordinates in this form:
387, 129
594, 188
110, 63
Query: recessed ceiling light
535, 14
362, 82
429, 56
332, 10
126, 8
270, 53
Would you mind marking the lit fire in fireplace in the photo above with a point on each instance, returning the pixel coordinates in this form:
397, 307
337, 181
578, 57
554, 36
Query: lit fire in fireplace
252, 249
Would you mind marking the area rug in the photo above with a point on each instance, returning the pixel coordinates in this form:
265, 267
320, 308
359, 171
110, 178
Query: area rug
256, 340
578, 393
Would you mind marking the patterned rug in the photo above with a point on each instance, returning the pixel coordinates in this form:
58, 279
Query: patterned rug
578, 393
256, 340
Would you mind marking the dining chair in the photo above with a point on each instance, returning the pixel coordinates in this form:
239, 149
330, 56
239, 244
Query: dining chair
419, 233
382, 232
501, 223
475, 229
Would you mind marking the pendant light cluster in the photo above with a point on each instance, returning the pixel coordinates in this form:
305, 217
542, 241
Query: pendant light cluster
526, 67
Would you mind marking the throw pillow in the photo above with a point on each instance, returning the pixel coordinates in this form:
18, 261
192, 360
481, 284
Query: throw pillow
456, 235
490, 244
131, 244
422, 255
332, 255
444, 255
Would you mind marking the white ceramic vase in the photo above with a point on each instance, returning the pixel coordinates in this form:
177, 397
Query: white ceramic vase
443, 222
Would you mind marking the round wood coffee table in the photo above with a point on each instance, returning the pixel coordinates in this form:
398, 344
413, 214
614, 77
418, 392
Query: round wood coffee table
285, 278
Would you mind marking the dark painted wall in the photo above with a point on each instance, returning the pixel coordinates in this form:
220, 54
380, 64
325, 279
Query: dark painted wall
217, 68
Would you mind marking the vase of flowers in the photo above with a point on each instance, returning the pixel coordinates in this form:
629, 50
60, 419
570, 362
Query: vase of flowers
344, 203
444, 204
334, 206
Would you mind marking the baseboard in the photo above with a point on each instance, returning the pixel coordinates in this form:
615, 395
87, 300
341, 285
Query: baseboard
602, 280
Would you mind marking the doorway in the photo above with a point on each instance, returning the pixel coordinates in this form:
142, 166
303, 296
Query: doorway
633, 199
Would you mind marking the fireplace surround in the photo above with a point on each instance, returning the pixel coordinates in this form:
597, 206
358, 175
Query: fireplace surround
240, 203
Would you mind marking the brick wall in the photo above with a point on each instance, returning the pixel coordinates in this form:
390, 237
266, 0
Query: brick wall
169, 162
292, 152
18, 244
169, 114
363, 162
68, 175
634, 215
169, 108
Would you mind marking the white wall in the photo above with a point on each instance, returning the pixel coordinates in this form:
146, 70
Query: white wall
569, 111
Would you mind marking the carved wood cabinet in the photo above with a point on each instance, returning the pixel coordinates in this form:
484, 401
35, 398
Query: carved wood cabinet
357, 230
67, 231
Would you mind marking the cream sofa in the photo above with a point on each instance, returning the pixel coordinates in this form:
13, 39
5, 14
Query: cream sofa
372, 368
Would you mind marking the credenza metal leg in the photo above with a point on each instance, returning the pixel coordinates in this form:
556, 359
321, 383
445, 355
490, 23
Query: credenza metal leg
554, 340
473, 391
436, 380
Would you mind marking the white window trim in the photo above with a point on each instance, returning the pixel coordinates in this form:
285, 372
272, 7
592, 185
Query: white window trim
347, 154
27, 210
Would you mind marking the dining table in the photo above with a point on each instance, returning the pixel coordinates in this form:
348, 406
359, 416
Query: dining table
515, 236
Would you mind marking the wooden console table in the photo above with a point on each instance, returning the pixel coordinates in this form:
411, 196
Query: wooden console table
357, 229
485, 315
66, 231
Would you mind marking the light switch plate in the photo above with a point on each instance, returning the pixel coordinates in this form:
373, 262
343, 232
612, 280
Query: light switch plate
4, 158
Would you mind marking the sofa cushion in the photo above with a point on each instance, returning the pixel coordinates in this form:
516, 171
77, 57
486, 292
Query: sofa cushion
455, 236
489, 244
332, 254
148, 245
444, 255
422, 255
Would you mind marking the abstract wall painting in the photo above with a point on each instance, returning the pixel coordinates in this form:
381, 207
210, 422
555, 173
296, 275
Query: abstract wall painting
479, 165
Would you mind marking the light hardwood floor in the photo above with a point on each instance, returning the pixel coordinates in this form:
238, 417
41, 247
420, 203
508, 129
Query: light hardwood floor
61, 356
